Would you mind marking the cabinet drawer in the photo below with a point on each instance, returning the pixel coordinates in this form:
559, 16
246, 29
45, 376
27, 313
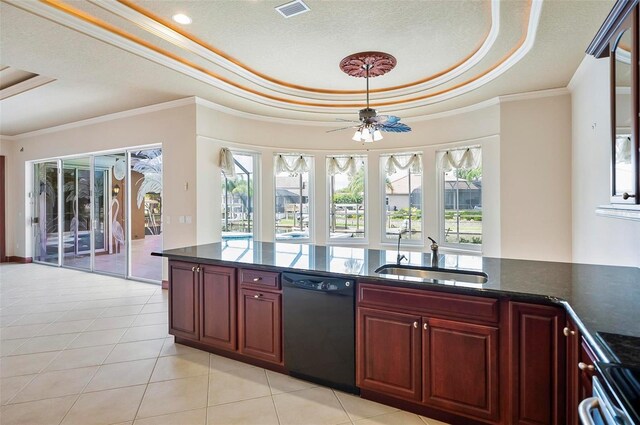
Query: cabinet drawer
260, 325
438, 304
259, 278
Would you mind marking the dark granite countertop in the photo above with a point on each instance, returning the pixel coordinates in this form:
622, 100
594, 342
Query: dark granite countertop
623, 349
599, 298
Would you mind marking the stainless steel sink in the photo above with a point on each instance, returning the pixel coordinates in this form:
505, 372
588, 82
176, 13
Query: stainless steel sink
429, 273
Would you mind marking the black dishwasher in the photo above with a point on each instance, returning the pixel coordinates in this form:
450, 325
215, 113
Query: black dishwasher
319, 329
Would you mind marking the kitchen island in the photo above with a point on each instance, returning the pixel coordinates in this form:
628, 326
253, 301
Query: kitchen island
520, 348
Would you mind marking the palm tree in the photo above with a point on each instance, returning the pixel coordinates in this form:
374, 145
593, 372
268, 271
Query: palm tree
356, 183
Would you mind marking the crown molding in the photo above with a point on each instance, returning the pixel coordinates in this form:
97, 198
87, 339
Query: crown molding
109, 117
194, 100
538, 94
313, 123
24, 86
266, 118
458, 111
451, 144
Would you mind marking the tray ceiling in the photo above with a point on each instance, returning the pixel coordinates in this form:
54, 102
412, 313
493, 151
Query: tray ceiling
244, 55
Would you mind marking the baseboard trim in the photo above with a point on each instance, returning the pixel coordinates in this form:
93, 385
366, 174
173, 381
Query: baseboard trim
21, 260
165, 284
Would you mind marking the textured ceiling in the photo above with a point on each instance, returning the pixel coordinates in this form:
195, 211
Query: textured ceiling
97, 74
425, 37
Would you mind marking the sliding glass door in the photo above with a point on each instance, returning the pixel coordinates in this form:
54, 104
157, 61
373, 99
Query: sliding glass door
46, 212
76, 213
100, 213
146, 213
110, 194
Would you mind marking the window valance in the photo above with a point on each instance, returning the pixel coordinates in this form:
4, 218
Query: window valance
227, 163
470, 157
348, 165
412, 162
291, 164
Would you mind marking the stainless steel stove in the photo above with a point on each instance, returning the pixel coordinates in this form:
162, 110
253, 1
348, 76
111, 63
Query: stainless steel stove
616, 397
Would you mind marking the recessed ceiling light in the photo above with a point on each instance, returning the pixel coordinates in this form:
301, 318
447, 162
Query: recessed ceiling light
181, 18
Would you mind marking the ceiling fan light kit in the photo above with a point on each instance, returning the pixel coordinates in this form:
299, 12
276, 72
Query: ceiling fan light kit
371, 125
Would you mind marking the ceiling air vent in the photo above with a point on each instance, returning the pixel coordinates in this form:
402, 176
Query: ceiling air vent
293, 8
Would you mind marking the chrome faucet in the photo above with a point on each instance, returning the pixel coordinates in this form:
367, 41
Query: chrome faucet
399, 257
434, 253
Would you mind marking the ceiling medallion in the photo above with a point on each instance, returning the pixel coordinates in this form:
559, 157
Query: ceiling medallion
370, 125
378, 63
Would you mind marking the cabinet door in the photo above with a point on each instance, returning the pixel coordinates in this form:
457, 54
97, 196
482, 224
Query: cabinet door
572, 337
183, 300
260, 326
586, 370
538, 364
388, 353
460, 367
218, 306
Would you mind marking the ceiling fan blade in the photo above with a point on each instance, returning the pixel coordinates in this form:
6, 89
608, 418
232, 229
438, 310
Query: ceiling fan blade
385, 119
398, 127
343, 120
339, 129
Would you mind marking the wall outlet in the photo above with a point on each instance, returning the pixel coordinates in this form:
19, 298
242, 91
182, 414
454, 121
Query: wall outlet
181, 219
188, 219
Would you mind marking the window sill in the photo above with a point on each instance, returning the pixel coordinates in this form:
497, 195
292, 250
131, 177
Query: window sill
404, 245
347, 242
620, 211
460, 250
294, 241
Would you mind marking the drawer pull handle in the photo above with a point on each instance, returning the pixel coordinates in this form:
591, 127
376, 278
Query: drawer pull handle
193, 269
257, 296
257, 279
425, 326
567, 332
584, 366
415, 325
198, 269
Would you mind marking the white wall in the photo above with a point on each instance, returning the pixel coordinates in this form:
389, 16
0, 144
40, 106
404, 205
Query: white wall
6, 150
596, 239
173, 128
535, 178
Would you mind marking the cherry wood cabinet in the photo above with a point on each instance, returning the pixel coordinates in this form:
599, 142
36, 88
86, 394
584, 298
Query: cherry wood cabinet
261, 325
572, 336
580, 370
460, 367
537, 364
586, 370
218, 306
210, 309
184, 305
389, 353
460, 358
619, 39
442, 362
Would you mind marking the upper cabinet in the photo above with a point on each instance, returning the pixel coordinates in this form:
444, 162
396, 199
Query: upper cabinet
618, 39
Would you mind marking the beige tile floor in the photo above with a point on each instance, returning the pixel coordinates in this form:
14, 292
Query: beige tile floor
79, 348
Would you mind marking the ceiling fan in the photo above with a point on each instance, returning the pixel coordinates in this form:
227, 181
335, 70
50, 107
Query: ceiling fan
370, 125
